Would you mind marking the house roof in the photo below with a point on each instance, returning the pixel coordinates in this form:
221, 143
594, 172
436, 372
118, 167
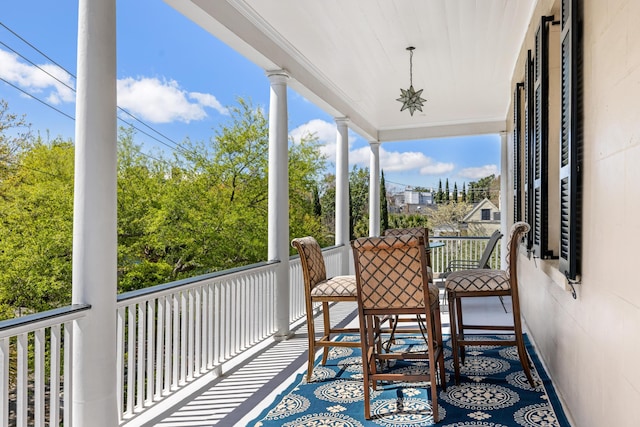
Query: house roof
350, 57
482, 204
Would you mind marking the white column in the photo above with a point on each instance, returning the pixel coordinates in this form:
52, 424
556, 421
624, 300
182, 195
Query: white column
342, 191
279, 196
374, 189
94, 218
505, 194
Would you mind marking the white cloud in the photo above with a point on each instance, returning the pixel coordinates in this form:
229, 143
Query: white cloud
34, 79
163, 101
324, 131
479, 172
209, 100
394, 161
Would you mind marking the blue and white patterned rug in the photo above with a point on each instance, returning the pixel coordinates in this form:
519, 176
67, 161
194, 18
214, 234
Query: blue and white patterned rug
493, 392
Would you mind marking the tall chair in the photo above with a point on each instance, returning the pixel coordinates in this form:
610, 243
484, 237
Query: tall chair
416, 231
484, 283
482, 262
391, 278
468, 264
319, 289
423, 233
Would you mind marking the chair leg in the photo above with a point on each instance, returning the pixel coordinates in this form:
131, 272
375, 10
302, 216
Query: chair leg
327, 330
460, 327
437, 334
454, 336
522, 351
311, 333
434, 390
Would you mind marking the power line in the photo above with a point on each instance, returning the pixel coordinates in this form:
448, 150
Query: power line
36, 49
176, 145
38, 67
38, 99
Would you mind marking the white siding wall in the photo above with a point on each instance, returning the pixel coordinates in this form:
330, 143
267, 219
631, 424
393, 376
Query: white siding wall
591, 344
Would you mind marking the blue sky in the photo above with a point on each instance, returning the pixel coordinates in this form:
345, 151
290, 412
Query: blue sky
179, 80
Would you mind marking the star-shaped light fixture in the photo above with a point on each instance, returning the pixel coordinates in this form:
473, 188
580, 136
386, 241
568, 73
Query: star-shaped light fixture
410, 98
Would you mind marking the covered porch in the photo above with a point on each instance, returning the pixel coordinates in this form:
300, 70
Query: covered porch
481, 63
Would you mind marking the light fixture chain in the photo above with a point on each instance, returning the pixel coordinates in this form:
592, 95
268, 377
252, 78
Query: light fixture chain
411, 67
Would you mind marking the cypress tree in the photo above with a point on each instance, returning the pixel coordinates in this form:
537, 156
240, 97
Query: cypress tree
446, 191
384, 210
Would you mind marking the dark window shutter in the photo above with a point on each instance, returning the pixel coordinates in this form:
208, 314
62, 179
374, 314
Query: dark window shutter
571, 144
517, 153
541, 141
528, 149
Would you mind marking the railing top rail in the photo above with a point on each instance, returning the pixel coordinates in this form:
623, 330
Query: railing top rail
459, 237
158, 290
43, 319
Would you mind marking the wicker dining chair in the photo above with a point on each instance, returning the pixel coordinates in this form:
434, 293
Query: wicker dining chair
423, 233
320, 289
391, 279
488, 283
415, 231
470, 264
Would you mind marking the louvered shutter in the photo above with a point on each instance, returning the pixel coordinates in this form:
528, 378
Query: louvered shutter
528, 149
571, 141
517, 153
541, 142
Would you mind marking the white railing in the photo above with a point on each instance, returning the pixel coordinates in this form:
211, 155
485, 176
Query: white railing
170, 334
35, 368
167, 335
467, 248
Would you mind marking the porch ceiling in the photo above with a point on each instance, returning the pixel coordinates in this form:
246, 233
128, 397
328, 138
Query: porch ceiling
350, 57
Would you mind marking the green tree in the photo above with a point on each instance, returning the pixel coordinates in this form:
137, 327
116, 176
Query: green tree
440, 193
384, 207
487, 187
36, 220
359, 193
464, 192
446, 191
204, 209
15, 135
455, 192
328, 204
447, 217
317, 207
408, 220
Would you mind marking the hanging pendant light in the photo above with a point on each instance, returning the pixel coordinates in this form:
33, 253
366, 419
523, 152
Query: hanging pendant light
410, 98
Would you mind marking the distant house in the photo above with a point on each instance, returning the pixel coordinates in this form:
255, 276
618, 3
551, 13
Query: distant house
483, 219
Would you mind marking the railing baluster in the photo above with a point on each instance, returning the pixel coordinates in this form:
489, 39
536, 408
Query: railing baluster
191, 335
131, 350
150, 356
160, 328
210, 333
140, 356
217, 331
168, 345
198, 331
68, 373
22, 373
54, 380
175, 374
39, 378
183, 337
4, 386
